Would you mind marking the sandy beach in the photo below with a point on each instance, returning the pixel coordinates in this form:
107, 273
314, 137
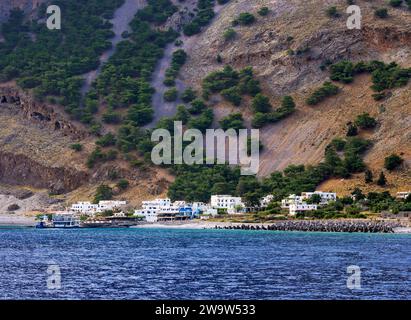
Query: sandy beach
16, 220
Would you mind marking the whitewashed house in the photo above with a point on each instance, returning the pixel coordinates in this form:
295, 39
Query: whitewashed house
151, 208
110, 205
265, 201
301, 207
403, 194
200, 206
226, 202
179, 203
154, 209
156, 203
85, 207
292, 199
150, 215
326, 197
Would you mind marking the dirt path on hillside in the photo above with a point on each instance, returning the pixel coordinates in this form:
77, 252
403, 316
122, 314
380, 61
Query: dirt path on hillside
167, 109
121, 22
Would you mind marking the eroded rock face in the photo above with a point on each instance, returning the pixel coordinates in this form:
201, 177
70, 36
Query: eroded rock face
21, 170
39, 113
34, 144
182, 16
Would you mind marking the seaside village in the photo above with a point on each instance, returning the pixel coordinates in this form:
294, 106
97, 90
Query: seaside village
164, 210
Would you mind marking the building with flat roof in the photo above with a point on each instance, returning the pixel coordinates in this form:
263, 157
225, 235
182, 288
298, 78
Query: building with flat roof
403, 194
226, 202
325, 196
301, 208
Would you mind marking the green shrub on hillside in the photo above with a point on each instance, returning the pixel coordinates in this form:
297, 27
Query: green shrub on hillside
229, 34
244, 18
261, 104
171, 95
233, 121
188, 95
365, 121
123, 184
157, 11
327, 90
76, 147
205, 13
381, 13
203, 122
393, 161
103, 192
197, 106
107, 140
263, 11
232, 95
332, 12
395, 3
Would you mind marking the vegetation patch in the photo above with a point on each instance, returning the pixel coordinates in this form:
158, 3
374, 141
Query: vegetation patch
384, 76
327, 90
51, 62
205, 13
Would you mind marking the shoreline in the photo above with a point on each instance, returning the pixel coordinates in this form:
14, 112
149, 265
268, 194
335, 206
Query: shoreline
15, 220
397, 229
9, 220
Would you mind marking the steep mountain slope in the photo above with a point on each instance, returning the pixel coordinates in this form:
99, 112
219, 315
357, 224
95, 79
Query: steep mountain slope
304, 26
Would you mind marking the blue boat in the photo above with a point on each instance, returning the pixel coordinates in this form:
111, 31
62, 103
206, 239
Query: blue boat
40, 225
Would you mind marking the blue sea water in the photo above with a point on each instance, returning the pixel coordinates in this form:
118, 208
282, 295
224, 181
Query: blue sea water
202, 264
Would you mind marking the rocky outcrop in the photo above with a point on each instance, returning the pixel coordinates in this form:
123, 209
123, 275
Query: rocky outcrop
34, 144
19, 169
39, 113
182, 16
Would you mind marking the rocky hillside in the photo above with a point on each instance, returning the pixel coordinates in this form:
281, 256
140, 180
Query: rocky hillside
289, 48
36, 140
304, 26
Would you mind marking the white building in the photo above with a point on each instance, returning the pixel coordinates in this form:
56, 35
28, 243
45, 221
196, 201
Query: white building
156, 203
226, 202
179, 203
292, 199
200, 206
111, 205
152, 209
296, 208
265, 201
403, 194
325, 196
86, 207
150, 215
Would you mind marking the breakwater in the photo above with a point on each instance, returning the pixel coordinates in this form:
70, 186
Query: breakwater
321, 226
